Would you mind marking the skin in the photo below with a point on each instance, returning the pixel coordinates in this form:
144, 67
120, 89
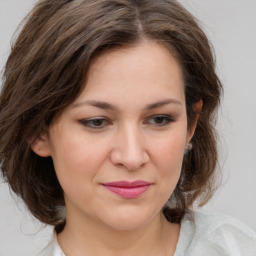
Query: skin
137, 97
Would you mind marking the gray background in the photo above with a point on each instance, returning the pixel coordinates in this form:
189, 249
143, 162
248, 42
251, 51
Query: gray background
231, 26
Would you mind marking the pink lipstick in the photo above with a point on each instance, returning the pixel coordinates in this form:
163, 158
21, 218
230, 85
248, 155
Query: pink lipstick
128, 189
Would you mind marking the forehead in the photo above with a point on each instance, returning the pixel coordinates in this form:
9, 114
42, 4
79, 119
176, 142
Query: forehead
146, 71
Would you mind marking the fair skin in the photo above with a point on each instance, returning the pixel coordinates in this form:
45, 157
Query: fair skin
128, 124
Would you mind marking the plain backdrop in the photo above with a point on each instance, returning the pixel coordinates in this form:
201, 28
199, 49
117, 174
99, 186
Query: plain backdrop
231, 27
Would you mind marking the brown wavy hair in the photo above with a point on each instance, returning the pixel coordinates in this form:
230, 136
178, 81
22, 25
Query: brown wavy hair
46, 71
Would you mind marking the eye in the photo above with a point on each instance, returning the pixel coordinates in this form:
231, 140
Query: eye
159, 120
95, 123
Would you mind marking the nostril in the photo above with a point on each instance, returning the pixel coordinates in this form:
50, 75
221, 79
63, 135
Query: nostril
130, 161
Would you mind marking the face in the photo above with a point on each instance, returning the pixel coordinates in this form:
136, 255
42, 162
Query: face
118, 149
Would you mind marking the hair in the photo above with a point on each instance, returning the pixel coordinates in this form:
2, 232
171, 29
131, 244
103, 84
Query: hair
46, 71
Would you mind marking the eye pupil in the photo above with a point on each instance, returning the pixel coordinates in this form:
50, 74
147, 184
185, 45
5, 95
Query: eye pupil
159, 119
98, 122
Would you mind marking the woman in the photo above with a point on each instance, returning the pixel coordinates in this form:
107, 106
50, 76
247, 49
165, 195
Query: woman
107, 129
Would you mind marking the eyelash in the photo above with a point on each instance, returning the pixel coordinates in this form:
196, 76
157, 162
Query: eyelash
102, 122
167, 120
90, 123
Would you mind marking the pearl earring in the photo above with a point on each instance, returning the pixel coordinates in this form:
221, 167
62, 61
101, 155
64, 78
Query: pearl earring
188, 147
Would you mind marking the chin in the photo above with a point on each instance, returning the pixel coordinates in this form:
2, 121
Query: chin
129, 221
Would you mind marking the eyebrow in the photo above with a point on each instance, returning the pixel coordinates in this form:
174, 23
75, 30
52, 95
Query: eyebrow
108, 106
162, 103
95, 103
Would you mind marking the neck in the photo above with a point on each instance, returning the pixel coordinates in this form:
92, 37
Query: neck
159, 237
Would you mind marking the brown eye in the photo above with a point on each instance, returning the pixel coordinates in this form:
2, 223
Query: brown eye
159, 120
95, 123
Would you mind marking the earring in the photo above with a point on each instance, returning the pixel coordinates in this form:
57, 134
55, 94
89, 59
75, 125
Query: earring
188, 147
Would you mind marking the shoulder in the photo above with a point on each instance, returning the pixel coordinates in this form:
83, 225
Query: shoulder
204, 233
210, 222
52, 249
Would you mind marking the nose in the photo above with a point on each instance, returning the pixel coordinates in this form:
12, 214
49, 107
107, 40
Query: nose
129, 149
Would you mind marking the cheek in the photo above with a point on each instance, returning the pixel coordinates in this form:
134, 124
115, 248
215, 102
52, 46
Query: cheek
170, 151
170, 163
77, 162
76, 167
168, 157
74, 152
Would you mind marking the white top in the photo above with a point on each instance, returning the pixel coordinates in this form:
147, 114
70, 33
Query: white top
208, 234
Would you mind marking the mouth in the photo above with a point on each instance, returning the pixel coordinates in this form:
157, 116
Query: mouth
128, 189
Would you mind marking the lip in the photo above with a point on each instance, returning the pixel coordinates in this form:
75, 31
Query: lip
127, 189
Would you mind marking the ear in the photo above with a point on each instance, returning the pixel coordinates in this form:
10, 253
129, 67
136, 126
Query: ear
40, 146
197, 108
